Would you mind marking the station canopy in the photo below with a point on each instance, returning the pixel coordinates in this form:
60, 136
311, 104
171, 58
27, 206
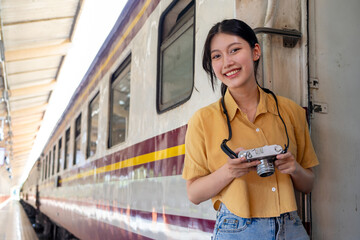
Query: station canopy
35, 38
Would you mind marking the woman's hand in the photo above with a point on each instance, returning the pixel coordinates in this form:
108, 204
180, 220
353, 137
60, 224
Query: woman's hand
203, 188
238, 167
303, 178
286, 163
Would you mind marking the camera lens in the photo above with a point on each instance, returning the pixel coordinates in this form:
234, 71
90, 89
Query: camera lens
265, 168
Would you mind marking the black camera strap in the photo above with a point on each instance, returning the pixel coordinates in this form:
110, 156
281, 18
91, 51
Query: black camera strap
226, 148
286, 146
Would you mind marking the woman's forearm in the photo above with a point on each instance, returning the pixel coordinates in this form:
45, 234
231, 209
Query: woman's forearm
303, 179
203, 188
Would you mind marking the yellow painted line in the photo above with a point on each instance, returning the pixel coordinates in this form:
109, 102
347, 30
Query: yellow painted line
142, 159
111, 54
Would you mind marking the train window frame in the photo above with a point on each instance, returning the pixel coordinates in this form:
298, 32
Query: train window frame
46, 166
42, 168
89, 152
67, 148
185, 22
59, 155
117, 77
77, 141
54, 161
49, 166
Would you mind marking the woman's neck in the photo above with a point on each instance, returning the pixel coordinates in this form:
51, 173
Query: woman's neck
247, 98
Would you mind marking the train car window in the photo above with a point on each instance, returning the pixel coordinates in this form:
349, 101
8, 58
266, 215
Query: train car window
67, 150
54, 155
175, 79
119, 103
59, 160
93, 120
77, 141
49, 166
46, 159
45, 166
42, 169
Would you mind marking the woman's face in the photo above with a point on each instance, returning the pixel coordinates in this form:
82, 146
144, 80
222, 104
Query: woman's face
232, 60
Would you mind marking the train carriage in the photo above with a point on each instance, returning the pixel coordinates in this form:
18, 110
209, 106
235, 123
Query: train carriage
112, 166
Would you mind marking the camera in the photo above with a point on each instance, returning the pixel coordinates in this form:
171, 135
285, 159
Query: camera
266, 155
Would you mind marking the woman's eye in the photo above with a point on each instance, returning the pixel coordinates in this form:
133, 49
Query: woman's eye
215, 56
234, 50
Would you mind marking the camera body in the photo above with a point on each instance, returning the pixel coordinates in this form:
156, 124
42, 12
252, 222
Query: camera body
266, 155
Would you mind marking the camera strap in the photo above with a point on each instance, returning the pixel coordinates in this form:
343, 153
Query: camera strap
226, 148
286, 146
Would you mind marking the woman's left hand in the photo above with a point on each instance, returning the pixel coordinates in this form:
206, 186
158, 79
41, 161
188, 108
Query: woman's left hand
303, 178
286, 163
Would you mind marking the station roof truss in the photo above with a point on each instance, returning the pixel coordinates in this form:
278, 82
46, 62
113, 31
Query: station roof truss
35, 38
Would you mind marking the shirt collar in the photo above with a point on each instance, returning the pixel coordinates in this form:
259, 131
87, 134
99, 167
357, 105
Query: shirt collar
266, 104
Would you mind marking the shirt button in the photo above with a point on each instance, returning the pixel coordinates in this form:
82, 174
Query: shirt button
273, 189
257, 130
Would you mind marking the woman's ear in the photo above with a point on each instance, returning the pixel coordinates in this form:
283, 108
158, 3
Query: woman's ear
256, 52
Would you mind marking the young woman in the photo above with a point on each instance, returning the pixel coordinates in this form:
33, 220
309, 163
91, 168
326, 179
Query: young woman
246, 117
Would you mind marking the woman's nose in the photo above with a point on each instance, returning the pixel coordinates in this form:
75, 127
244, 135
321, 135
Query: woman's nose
228, 61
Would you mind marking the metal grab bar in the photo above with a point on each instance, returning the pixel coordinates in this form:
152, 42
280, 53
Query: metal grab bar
290, 36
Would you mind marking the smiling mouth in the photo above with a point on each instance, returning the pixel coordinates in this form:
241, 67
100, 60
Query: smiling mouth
231, 73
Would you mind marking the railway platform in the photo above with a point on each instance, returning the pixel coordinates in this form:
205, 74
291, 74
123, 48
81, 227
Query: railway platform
14, 222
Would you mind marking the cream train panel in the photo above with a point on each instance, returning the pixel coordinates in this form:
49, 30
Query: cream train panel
166, 194
134, 189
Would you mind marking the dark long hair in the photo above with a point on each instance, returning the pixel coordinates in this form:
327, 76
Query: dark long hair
232, 27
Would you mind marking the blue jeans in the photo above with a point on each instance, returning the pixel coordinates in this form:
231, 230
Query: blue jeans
228, 226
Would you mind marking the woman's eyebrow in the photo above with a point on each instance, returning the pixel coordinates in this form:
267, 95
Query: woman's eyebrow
230, 45
234, 43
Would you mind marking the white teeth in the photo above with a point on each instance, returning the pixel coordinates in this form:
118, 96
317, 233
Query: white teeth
232, 72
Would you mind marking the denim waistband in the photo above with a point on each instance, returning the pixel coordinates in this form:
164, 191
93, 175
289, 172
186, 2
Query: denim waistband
230, 226
289, 215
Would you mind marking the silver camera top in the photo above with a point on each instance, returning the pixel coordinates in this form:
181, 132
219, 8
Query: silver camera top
267, 151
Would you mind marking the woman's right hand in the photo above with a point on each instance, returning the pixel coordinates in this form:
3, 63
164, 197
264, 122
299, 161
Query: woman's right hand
238, 167
203, 188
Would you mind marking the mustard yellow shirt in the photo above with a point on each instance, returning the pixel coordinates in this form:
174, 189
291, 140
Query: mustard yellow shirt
250, 195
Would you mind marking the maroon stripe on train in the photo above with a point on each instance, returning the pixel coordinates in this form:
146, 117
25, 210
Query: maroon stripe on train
204, 225
166, 167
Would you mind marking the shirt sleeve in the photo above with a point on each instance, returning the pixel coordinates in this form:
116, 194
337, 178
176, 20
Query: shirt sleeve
306, 154
195, 150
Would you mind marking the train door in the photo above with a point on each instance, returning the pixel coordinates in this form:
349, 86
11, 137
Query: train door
281, 27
